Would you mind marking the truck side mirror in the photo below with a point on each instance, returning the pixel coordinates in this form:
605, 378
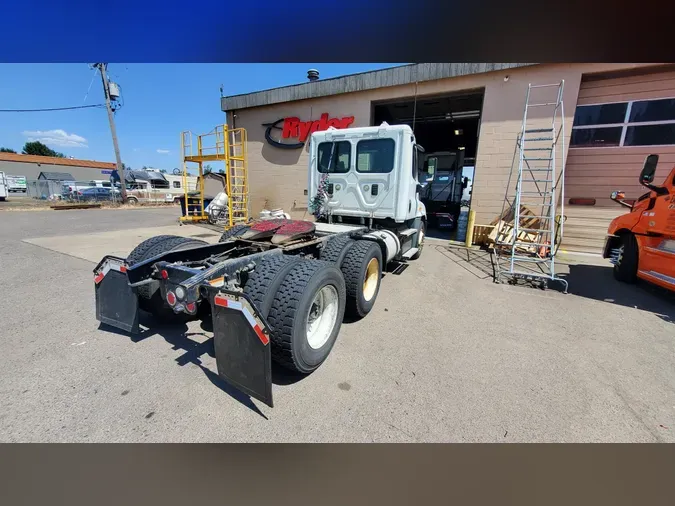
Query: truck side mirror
649, 170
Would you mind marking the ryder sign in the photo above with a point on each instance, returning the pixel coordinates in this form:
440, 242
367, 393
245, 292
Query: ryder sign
292, 128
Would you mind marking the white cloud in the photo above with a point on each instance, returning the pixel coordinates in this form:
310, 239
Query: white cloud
163, 151
56, 138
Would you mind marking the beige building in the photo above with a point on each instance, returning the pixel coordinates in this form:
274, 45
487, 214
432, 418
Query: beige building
31, 166
615, 115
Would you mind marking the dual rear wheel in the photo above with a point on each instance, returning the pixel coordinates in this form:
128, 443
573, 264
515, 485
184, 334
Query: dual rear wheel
304, 301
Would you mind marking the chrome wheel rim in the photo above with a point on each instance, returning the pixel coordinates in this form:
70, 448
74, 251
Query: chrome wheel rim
322, 316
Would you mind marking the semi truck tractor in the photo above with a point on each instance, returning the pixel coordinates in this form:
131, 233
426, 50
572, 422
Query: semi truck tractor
443, 185
641, 243
278, 289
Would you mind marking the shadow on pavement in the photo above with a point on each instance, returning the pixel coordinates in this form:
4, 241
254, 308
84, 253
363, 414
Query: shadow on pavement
196, 345
598, 283
478, 262
590, 281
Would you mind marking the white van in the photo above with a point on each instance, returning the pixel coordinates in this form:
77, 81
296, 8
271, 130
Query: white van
145, 192
16, 183
3, 187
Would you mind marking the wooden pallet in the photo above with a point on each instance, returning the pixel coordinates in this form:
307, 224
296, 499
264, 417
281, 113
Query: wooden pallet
502, 229
74, 206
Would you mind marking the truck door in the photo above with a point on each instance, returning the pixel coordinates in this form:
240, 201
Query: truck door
657, 255
375, 179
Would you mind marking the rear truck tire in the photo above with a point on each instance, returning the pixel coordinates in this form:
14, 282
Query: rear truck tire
264, 281
362, 270
420, 242
235, 231
306, 315
132, 201
336, 248
626, 266
149, 296
138, 254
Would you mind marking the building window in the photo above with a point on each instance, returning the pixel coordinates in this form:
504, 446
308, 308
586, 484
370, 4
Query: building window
176, 184
653, 110
375, 156
610, 136
604, 114
636, 123
650, 135
341, 157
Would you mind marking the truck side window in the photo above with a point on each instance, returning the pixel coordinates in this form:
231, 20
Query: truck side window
341, 161
176, 184
375, 156
414, 163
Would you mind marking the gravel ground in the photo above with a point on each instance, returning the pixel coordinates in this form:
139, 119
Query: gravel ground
446, 355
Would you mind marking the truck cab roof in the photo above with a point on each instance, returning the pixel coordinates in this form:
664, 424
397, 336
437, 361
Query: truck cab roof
370, 131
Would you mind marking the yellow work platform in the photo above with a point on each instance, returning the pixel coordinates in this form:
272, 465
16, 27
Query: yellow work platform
226, 145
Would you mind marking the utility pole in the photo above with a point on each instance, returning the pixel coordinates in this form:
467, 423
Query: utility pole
120, 168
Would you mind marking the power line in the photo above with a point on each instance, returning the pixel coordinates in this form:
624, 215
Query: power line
53, 108
89, 89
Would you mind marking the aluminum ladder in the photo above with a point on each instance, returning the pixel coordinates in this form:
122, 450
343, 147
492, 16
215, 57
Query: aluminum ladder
530, 231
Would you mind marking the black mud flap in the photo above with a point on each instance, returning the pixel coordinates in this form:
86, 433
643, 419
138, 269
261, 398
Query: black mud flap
242, 344
116, 301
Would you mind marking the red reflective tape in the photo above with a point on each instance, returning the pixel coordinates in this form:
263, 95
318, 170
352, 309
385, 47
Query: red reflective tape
98, 277
123, 268
261, 335
219, 300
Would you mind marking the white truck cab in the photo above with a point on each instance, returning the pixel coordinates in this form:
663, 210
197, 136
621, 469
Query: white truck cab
371, 179
371, 172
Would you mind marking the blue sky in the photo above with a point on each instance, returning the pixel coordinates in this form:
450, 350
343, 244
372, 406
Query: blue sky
160, 101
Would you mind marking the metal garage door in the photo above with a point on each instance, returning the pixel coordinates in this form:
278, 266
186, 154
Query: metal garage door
618, 121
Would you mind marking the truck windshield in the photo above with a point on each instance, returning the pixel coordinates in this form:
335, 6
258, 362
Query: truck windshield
334, 157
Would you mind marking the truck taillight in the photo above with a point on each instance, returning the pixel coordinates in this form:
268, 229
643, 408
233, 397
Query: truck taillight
164, 274
171, 298
191, 307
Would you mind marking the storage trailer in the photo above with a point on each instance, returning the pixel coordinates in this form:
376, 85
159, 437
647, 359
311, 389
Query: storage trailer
278, 289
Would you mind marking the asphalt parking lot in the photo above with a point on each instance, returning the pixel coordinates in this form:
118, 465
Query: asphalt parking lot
446, 355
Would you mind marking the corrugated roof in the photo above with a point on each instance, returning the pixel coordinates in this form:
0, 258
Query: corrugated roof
56, 176
71, 162
395, 76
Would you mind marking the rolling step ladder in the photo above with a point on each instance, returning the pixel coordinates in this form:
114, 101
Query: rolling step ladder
530, 228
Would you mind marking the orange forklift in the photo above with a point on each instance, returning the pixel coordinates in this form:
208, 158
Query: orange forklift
641, 244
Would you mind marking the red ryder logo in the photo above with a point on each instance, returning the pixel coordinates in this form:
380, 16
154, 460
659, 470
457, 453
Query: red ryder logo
294, 128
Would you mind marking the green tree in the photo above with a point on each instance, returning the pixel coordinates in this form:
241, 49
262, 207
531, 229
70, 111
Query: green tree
207, 169
39, 149
7, 150
162, 171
